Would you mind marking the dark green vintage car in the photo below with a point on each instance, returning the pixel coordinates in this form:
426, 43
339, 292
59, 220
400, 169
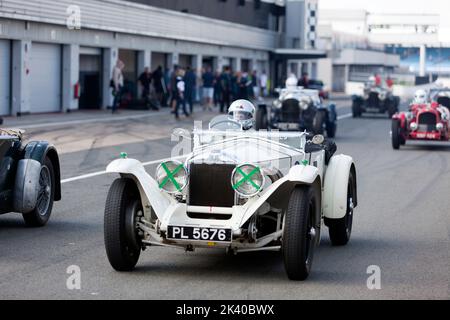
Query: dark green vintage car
29, 178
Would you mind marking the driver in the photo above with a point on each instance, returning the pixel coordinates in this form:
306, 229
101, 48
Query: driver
292, 83
243, 112
420, 97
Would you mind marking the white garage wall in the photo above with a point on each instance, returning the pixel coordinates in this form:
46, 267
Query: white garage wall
5, 79
46, 77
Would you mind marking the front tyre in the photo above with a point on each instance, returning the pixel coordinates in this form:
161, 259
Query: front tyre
123, 207
319, 122
262, 122
300, 233
341, 229
356, 109
396, 137
46, 195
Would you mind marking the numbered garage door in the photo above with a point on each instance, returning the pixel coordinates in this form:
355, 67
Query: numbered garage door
5, 80
45, 78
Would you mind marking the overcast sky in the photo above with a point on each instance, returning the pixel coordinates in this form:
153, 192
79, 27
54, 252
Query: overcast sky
398, 6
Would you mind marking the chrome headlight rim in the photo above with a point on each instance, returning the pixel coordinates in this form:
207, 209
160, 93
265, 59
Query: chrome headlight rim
164, 168
439, 126
414, 126
304, 104
247, 177
277, 104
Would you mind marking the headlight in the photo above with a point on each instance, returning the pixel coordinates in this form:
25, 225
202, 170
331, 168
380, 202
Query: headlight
414, 126
303, 104
277, 104
172, 176
247, 180
439, 127
382, 96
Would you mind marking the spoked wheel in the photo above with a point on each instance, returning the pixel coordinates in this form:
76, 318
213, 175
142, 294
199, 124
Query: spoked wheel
396, 137
341, 229
300, 233
44, 204
122, 242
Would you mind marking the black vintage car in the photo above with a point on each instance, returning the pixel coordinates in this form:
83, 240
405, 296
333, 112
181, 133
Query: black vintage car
376, 100
298, 109
29, 178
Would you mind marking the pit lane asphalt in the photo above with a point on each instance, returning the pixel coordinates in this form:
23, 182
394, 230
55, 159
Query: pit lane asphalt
402, 225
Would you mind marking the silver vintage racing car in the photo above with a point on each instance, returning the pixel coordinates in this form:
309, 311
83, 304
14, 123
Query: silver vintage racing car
240, 190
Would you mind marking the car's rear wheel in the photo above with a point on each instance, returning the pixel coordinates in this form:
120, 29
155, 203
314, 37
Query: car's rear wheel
396, 136
300, 233
122, 242
340, 230
46, 195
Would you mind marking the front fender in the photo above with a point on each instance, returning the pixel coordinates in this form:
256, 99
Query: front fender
39, 150
336, 186
150, 193
278, 194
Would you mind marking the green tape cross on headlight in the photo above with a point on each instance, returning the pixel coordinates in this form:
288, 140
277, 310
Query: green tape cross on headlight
247, 178
171, 176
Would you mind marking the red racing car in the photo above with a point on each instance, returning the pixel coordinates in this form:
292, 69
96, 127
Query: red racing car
426, 122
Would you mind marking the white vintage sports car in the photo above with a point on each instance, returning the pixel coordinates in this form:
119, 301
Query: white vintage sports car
238, 190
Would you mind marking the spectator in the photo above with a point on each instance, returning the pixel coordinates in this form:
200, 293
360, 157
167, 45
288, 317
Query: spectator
208, 87
255, 85
145, 80
117, 84
159, 85
244, 85
179, 93
217, 89
304, 81
263, 84
190, 80
225, 87
173, 87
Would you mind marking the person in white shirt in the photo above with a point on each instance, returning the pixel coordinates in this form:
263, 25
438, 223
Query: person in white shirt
117, 84
180, 94
263, 84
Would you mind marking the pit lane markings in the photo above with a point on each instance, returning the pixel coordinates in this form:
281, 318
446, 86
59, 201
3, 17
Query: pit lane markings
101, 173
96, 120
345, 116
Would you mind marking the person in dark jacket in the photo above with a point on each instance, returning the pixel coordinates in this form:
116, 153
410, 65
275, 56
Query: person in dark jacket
304, 81
190, 81
225, 87
217, 89
159, 85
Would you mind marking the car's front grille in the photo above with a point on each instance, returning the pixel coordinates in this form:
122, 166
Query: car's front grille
444, 101
427, 122
290, 111
373, 101
210, 185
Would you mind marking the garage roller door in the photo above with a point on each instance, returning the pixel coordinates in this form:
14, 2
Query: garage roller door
5, 83
45, 78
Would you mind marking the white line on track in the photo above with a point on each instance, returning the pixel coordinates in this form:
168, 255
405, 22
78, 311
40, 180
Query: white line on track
96, 120
101, 173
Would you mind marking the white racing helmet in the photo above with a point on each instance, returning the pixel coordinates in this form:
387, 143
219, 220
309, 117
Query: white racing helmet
291, 83
420, 97
243, 112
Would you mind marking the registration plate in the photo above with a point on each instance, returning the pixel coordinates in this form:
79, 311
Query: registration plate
199, 234
288, 126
